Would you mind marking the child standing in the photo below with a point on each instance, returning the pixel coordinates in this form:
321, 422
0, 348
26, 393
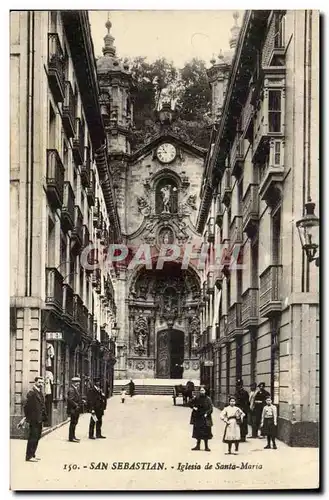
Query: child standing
232, 416
269, 423
123, 395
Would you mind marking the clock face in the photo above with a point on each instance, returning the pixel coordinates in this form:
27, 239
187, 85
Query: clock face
166, 152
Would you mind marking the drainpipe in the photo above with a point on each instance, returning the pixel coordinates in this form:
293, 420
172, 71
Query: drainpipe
29, 153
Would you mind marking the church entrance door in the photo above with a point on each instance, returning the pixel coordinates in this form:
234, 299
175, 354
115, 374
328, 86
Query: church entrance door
170, 354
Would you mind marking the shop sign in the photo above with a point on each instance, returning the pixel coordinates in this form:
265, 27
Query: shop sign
208, 363
54, 336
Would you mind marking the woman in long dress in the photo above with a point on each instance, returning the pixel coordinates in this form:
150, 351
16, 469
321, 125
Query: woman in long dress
201, 418
232, 416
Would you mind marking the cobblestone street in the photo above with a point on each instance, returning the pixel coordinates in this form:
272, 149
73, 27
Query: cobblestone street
150, 429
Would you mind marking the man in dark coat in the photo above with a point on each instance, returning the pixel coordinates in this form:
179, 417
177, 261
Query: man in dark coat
131, 388
260, 402
96, 404
35, 414
242, 401
74, 407
201, 418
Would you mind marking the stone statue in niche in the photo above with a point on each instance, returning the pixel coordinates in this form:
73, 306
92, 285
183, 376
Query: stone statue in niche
141, 335
195, 332
143, 206
166, 195
166, 236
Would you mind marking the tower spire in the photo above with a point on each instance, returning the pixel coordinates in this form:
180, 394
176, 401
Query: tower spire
108, 49
235, 30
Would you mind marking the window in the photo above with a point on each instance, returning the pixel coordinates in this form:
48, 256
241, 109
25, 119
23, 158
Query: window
65, 155
276, 234
72, 271
279, 35
63, 256
254, 265
277, 153
239, 284
52, 128
228, 361
274, 110
238, 358
51, 243
228, 291
240, 195
253, 355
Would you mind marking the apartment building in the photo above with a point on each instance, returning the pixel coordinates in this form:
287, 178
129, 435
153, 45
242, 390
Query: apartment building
62, 314
261, 318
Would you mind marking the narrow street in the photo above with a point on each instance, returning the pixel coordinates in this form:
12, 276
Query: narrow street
150, 429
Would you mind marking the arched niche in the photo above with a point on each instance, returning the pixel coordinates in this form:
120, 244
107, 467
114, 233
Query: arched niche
166, 196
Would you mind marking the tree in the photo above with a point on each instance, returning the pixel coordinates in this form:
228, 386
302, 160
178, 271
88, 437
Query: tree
188, 87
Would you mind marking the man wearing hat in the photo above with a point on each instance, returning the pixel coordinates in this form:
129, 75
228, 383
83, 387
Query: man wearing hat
260, 402
242, 401
96, 404
74, 406
35, 414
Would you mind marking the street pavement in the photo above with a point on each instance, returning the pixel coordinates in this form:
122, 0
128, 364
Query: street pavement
150, 431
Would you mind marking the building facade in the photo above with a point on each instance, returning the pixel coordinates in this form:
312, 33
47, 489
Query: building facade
62, 315
260, 302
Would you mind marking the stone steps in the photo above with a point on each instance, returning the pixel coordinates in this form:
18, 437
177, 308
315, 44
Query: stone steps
152, 387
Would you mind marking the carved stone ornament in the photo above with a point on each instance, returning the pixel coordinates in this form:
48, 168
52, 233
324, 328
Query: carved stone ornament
143, 206
195, 366
140, 365
141, 333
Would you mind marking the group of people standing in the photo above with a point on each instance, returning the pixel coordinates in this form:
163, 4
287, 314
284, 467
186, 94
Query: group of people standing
255, 406
36, 414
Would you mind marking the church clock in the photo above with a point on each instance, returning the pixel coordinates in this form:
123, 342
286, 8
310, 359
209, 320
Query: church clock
166, 153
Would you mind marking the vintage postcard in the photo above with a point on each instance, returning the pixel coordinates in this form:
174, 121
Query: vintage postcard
164, 250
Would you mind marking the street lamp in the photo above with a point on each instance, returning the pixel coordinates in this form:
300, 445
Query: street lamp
308, 229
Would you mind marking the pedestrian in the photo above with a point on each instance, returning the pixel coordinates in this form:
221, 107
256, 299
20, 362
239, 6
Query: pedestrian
35, 414
252, 411
201, 418
232, 416
131, 388
269, 422
123, 395
74, 407
96, 405
260, 401
242, 401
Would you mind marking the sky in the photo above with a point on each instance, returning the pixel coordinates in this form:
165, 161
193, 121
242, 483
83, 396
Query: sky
176, 35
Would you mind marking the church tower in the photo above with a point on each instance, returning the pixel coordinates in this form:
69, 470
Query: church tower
219, 72
115, 83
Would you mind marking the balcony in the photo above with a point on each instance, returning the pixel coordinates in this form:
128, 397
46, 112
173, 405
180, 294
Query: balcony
250, 211
68, 111
67, 217
54, 289
269, 122
211, 230
226, 187
77, 236
99, 225
67, 302
96, 212
55, 67
85, 236
78, 142
104, 237
223, 326
84, 320
237, 156
236, 235
249, 308
96, 280
219, 215
91, 189
85, 168
234, 326
55, 178
269, 292
272, 174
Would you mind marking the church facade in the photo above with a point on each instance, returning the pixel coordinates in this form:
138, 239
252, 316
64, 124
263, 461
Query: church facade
156, 189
